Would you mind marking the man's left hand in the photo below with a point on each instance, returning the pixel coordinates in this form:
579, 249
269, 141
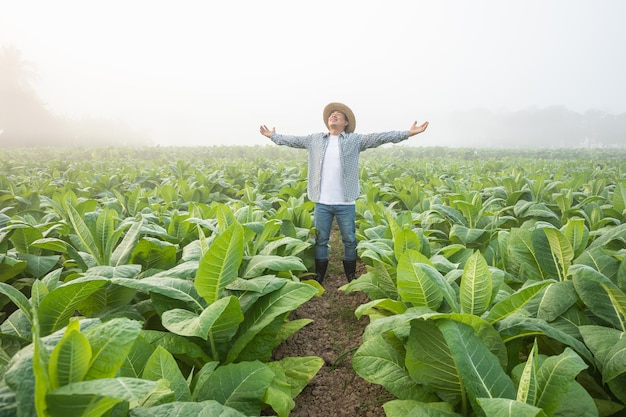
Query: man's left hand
415, 129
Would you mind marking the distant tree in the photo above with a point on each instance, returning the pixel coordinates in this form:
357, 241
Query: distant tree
24, 120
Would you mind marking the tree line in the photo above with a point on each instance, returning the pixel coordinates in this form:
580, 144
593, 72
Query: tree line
26, 121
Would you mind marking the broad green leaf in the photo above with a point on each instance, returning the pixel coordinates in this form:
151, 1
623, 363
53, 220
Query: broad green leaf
527, 386
555, 377
577, 234
505, 407
18, 298
104, 236
411, 408
380, 360
518, 326
239, 385
136, 360
209, 408
476, 285
380, 307
124, 250
414, 282
520, 246
600, 295
609, 348
61, 303
10, 267
70, 358
220, 265
173, 288
38, 266
258, 264
162, 365
430, 363
515, 302
110, 343
179, 346
561, 250
187, 323
556, 300
266, 309
403, 240
547, 260
86, 239
300, 371
94, 398
480, 369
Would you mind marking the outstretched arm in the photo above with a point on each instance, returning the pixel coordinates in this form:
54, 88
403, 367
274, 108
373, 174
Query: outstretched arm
267, 132
415, 129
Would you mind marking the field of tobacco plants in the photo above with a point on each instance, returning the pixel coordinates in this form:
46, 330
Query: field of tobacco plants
159, 281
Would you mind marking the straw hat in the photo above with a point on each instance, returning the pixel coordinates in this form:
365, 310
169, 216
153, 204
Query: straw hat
345, 110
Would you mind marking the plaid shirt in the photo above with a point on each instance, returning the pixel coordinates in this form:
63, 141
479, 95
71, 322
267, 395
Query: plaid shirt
350, 146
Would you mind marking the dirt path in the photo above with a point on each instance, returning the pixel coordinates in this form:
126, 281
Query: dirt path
336, 390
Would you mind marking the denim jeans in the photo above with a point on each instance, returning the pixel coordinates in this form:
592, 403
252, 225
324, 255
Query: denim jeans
345, 215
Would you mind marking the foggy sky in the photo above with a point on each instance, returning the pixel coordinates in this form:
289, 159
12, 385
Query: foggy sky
203, 73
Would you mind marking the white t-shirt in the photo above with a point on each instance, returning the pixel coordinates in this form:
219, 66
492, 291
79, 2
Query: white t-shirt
332, 181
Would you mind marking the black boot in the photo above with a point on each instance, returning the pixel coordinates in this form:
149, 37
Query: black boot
349, 267
320, 269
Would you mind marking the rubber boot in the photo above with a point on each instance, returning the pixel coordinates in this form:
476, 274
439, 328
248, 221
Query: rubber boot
320, 269
349, 267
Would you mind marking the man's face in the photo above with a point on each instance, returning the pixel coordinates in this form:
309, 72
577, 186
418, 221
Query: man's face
337, 119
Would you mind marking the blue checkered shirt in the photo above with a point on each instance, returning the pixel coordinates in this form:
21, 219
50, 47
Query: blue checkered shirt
350, 146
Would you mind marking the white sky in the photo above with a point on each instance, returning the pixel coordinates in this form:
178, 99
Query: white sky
202, 73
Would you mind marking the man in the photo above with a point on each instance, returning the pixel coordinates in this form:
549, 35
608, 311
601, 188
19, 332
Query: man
333, 177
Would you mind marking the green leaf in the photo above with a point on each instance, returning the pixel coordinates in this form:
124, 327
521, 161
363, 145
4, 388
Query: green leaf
577, 234
556, 300
86, 239
162, 365
515, 302
70, 358
555, 377
266, 309
124, 250
430, 363
258, 264
110, 343
527, 386
18, 299
480, 369
561, 251
94, 398
505, 407
476, 285
403, 240
221, 317
209, 408
380, 360
220, 265
411, 408
415, 284
173, 288
239, 385
609, 348
600, 295
61, 303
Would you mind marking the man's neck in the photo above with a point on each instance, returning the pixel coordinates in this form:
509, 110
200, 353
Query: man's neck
335, 132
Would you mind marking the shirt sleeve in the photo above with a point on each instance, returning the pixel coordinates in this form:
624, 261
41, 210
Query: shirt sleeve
372, 140
290, 140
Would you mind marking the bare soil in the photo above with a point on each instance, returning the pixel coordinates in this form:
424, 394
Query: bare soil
334, 335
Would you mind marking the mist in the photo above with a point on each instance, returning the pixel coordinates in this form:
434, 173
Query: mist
484, 74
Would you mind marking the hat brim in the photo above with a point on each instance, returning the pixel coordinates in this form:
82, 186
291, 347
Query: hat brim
331, 107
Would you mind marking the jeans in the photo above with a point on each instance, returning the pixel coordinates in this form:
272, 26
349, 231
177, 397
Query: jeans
346, 220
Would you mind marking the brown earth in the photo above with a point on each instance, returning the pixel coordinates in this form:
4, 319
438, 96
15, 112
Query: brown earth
334, 335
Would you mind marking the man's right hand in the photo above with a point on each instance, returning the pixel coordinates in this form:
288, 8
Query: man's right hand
267, 132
